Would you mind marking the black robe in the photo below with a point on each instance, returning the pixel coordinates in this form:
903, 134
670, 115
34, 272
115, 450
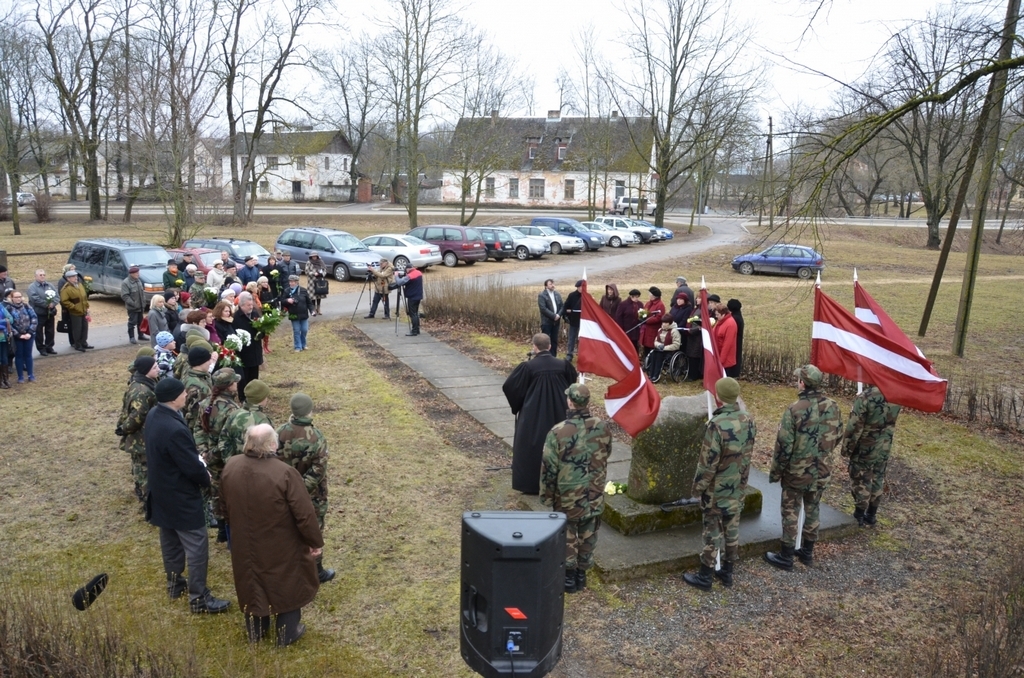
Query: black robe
536, 393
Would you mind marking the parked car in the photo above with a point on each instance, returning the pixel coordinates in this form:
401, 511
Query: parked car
565, 226
404, 251
630, 206
527, 245
457, 243
106, 261
23, 199
662, 232
498, 242
787, 259
237, 248
203, 257
645, 234
557, 242
612, 237
344, 255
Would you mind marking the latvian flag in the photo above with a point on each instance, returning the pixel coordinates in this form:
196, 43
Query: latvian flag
841, 344
606, 351
713, 370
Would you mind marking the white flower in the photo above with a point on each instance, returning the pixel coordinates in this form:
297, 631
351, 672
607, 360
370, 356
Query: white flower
244, 336
609, 488
233, 342
51, 295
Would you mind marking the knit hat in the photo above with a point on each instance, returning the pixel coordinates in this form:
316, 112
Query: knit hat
301, 404
145, 350
168, 389
197, 356
202, 343
728, 389
164, 338
168, 295
256, 391
655, 292
579, 394
191, 337
143, 364
734, 305
809, 374
225, 376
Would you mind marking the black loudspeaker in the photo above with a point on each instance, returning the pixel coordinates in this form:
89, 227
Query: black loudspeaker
513, 592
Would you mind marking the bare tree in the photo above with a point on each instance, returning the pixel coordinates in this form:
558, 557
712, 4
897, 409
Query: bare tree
15, 100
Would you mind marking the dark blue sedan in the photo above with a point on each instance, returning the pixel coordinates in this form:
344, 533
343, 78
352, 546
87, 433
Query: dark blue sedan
786, 259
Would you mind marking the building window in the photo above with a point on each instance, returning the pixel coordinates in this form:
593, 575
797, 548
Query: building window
570, 189
327, 163
344, 164
513, 188
272, 162
561, 152
300, 162
489, 187
533, 152
264, 187
536, 188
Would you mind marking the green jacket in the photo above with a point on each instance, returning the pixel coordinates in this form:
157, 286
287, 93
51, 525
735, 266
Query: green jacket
809, 431
869, 431
304, 447
574, 467
724, 464
135, 405
198, 386
208, 437
232, 438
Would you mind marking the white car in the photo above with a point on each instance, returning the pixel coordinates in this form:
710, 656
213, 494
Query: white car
527, 245
403, 250
631, 206
559, 243
23, 199
612, 236
620, 224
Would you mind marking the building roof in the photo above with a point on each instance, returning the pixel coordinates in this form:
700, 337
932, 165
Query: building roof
304, 142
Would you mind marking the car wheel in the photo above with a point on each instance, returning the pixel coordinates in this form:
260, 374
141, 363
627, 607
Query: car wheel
450, 260
522, 253
470, 263
401, 262
803, 273
341, 272
556, 248
747, 268
615, 242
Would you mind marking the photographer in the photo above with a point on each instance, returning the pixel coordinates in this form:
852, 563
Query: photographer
383, 275
296, 302
316, 281
413, 283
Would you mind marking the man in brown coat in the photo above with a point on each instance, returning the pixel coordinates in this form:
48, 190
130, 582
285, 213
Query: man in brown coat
274, 535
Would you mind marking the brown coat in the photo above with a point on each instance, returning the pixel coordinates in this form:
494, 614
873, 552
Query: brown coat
273, 526
74, 299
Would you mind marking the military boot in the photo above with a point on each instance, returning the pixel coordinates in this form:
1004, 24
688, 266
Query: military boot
858, 515
702, 579
323, 574
4, 381
806, 552
581, 579
570, 580
869, 515
783, 559
724, 574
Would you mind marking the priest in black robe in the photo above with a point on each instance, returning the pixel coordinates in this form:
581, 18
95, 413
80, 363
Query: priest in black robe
536, 393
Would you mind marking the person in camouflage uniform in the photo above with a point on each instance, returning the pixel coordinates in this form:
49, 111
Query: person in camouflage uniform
720, 482
198, 384
214, 412
180, 366
137, 401
574, 468
866, 444
303, 446
143, 350
196, 293
232, 439
810, 429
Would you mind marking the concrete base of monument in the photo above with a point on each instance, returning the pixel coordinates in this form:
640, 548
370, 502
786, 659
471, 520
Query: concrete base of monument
631, 518
619, 557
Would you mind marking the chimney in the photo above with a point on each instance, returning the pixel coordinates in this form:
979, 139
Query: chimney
615, 114
494, 117
555, 114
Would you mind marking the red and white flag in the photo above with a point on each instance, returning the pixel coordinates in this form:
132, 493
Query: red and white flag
605, 350
867, 310
841, 344
713, 370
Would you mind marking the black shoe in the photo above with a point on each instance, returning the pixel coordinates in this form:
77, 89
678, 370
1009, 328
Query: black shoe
368, 317
79, 348
581, 579
50, 351
207, 604
222, 532
300, 630
387, 317
85, 596
783, 559
89, 346
806, 552
869, 516
858, 515
324, 574
701, 579
413, 334
570, 580
724, 574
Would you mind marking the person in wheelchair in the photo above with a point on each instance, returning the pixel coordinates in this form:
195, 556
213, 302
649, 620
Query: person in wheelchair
666, 344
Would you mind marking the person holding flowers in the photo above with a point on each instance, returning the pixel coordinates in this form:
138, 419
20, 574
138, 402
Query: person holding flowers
43, 298
223, 319
251, 353
173, 279
275, 279
315, 269
296, 303
75, 302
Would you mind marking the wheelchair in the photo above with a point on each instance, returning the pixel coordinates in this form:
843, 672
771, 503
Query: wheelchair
674, 365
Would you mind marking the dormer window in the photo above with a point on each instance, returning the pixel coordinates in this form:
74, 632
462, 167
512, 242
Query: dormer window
562, 148
533, 152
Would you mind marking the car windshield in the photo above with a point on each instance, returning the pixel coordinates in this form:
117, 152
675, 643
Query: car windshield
210, 258
245, 249
548, 231
413, 240
151, 256
516, 233
348, 243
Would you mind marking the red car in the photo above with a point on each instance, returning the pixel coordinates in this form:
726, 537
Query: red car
203, 258
457, 243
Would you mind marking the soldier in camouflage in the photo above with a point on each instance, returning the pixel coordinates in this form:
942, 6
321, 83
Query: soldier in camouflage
214, 412
198, 384
720, 482
137, 401
573, 472
232, 439
180, 366
866, 444
304, 447
143, 350
196, 293
810, 429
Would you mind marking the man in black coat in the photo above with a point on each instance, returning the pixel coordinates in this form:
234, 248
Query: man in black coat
536, 393
572, 312
177, 477
251, 355
549, 301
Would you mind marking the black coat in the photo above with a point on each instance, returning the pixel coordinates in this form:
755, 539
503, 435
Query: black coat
251, 355
175, 473
300, 302
572, 308
536, 393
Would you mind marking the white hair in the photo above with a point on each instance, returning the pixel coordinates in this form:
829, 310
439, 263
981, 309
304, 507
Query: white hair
261, 440
244, 297
157, 301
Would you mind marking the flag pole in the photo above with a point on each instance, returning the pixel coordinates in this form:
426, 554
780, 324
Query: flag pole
860, 384
711, 401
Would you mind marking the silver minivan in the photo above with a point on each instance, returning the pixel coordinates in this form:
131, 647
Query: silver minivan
344, 254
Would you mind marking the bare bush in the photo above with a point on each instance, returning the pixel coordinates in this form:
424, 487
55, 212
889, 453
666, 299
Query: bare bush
42, 208
5, 212
496, 307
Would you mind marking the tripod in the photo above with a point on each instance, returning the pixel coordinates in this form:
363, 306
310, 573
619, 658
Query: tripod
360, 300
398, 310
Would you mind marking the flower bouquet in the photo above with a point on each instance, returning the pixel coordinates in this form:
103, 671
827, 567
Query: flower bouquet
87, 284
642, 314
268, 322
275, 273
237, 341
615, 488
211, 295
226, 357
179, 283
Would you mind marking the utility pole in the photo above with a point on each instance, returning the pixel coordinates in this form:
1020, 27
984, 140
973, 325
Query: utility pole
764, 174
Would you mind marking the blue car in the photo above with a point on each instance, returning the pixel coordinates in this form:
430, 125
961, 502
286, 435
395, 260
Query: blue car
785, 259
663, 233
570, 227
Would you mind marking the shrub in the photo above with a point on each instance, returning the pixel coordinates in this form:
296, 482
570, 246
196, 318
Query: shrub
42, 208
494, 307
5, 212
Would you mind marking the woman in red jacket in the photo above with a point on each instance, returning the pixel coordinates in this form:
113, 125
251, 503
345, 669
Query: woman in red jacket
724, 334
652, 323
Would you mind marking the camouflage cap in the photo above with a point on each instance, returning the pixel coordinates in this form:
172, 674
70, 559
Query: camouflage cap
579, 394
727, 389
225, 376
809, 374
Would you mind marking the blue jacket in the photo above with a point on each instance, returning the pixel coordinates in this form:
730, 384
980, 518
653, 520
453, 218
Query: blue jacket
6, 331
247, 275
413, 283
23, 320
